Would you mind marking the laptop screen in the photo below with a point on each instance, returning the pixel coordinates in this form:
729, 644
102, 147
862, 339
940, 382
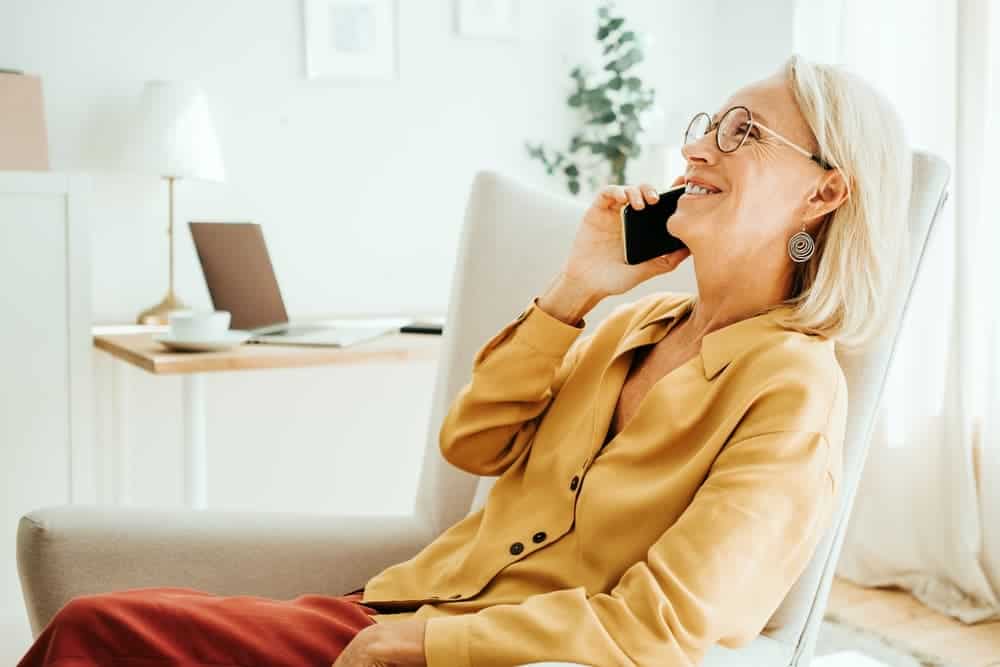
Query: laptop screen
238, 273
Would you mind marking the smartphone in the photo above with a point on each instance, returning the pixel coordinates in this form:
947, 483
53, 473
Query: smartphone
644, 232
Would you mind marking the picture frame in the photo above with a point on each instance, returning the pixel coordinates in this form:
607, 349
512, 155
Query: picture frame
486, 18
350, 40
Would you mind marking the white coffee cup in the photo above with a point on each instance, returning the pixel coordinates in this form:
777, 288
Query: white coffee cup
198, 325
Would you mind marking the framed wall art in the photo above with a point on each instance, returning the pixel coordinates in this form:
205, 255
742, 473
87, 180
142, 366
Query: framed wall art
350, 39
486, 18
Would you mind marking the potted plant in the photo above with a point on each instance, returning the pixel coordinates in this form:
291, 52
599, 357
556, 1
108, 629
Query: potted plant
610, 103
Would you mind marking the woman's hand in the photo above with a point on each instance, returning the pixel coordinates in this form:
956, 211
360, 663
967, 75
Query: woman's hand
596, 259
389, 644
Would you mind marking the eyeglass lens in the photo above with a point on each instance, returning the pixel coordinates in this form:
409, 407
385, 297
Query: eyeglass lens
733, 127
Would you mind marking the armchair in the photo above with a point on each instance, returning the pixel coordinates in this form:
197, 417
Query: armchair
512, 239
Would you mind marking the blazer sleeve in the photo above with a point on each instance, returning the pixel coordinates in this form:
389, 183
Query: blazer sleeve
715, 576
515, 376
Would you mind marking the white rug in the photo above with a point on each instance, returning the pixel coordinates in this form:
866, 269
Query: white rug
842, 644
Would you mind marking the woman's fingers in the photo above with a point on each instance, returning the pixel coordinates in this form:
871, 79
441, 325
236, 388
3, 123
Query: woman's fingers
670, 261
680, 254
613, 194
636, 195
640, 195
635, 198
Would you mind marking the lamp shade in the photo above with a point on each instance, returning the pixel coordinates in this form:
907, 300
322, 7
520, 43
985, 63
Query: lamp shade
172, 134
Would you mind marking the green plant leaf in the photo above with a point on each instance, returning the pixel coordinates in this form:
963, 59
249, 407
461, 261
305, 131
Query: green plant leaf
619, 65
598, 101
605, 118
633, 57
627, 36
612, 121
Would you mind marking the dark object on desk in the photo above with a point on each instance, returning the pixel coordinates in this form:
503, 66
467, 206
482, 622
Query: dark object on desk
422, 327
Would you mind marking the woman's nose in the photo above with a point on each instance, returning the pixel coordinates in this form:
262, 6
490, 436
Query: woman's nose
702, 151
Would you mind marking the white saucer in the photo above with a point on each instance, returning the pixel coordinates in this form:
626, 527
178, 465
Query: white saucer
232, 338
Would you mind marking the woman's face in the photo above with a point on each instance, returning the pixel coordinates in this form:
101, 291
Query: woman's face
766, 189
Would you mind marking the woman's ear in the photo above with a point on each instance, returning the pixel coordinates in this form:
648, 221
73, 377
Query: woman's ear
830, 192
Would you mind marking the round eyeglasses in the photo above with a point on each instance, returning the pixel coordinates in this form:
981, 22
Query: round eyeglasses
733, 129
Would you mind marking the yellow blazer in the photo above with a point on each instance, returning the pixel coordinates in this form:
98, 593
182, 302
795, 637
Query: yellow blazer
688, 528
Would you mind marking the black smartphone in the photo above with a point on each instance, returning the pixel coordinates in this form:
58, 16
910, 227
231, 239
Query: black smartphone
644, 232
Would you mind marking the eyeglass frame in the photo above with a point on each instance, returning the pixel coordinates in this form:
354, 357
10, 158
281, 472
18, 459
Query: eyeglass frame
812, 156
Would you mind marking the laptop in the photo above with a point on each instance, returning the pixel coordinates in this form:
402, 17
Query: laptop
240, 279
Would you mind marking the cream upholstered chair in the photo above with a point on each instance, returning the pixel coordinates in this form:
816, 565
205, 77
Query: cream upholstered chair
513, 240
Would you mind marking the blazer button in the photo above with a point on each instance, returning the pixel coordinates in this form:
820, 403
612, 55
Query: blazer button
574, 483
538, 537
516, 548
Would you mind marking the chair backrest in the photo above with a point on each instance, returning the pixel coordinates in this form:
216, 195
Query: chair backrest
800, 616
514, 240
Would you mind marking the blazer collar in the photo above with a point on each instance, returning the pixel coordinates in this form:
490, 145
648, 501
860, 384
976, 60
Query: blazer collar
719, 347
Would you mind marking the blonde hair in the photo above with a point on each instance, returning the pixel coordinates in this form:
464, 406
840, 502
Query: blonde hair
846, 290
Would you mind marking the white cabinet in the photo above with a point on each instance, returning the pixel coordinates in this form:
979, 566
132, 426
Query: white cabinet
46, 404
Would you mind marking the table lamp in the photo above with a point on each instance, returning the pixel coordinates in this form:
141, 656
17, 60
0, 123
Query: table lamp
173, 137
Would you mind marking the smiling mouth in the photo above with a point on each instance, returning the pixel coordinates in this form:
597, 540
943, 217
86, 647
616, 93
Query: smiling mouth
691, 189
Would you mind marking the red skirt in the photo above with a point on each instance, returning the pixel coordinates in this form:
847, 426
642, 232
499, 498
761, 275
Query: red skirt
147, 627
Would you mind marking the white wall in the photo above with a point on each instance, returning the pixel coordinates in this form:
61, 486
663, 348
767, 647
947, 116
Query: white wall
360, 189
353, 183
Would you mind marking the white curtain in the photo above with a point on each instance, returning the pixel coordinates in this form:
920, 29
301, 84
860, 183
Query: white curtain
927, 515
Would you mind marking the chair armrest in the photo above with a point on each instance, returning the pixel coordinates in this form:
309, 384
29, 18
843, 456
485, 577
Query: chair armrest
70, 550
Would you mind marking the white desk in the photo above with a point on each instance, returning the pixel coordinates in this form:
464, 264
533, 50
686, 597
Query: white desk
135, 345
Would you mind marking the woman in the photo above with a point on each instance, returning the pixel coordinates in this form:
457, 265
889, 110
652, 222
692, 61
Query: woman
663, 482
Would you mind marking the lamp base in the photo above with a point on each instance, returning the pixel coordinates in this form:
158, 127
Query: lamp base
158, 313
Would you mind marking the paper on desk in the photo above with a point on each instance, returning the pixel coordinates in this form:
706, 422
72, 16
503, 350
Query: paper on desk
365, 323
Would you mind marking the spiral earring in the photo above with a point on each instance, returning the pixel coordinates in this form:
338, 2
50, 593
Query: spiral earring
801, 246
